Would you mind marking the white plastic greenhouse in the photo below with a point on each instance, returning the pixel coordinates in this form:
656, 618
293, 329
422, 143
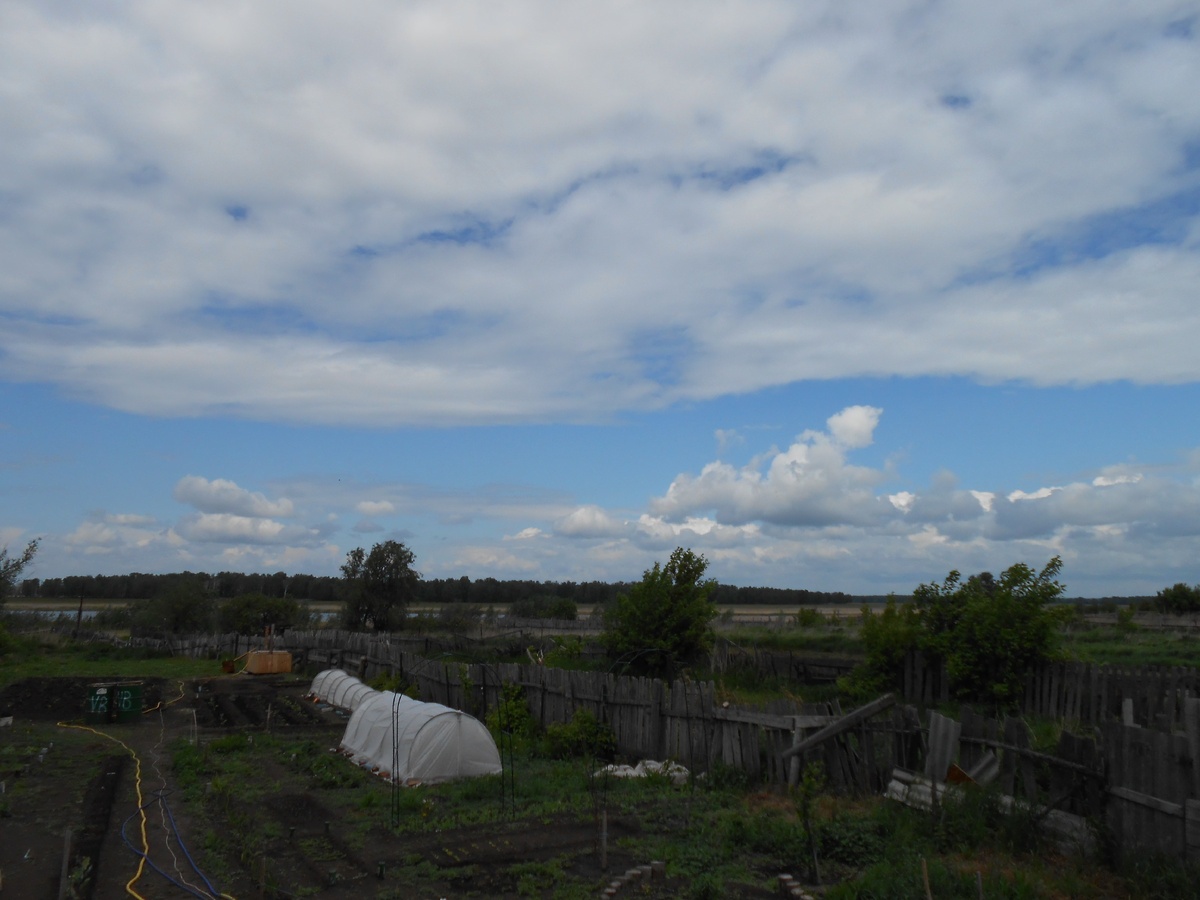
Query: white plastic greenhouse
337, 688
405, 739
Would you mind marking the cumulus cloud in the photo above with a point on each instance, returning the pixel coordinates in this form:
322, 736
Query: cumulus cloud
854, 426
801, 515
224, 528
375, 507
809, 483
223, 496
525, 534
589, 522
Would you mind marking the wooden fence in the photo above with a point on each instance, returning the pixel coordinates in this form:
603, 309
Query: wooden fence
1150, 696
1137, 767
800, 667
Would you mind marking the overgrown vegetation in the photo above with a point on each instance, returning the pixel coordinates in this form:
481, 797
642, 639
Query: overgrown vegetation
1178, 599
664, 622
11, 567
713, 835
26, 657
989, 633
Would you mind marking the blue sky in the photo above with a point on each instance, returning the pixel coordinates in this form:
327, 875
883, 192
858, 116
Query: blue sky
843, 298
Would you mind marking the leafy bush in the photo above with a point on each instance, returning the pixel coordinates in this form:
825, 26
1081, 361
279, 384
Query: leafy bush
582, 736
809, 618
512, 716
1178, 599
769, 834
989, 633
252, 613
853, 840
887, 637
664, 622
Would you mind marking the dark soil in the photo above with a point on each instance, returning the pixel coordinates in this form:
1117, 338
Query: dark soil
58, 779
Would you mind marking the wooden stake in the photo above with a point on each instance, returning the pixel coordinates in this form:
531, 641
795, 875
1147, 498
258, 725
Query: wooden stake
925, 878
604, 840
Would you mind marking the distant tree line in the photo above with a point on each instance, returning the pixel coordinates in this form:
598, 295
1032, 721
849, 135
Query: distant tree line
430, 591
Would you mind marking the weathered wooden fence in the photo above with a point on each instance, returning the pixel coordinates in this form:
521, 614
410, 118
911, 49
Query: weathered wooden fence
1154, 787
784, 665
1137, 768
1079, 692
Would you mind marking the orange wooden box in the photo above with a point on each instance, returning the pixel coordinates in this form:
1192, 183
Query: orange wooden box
268, 662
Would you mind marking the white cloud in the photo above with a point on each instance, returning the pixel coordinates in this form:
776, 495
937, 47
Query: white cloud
589, 522
800, 515
224, 528
1109, 480
523, 214
223, 496
986, 499
375, 507
1039, 494
854, 426
810, 483
525, 534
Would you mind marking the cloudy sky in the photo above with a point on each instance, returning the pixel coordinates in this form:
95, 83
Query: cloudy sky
843, 296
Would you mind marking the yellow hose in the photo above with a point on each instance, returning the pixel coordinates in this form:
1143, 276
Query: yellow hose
137, 783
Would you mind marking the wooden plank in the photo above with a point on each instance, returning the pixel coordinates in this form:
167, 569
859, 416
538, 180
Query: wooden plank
1191, 826
845, 722
944, 733
767, 720
1191, 726
1157, 804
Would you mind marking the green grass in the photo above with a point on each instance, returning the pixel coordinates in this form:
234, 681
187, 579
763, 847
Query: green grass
832, 639
1130, 646
25, 658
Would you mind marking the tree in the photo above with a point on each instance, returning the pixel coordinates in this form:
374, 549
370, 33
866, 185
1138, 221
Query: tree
183, 608
11, 567
252, 613
663, 623
1178, 599
379, 586
989, 633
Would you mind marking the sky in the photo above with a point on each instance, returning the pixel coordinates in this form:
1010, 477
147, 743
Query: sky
841, 296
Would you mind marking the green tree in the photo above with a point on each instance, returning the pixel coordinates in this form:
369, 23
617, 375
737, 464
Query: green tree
1178, 599
1004, 629
378, 586
252, 613
183, 608
989, 633
664, 622
11, 567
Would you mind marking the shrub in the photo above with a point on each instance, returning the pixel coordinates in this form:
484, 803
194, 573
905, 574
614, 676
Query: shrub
664, 622
582, 736
512, 716
989, 633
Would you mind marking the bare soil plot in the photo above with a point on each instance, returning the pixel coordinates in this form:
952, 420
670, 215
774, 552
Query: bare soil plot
302, 823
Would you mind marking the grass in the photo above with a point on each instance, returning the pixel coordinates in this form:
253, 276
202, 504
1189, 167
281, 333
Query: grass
1130, 646
31, 658
709, 833
834, 638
